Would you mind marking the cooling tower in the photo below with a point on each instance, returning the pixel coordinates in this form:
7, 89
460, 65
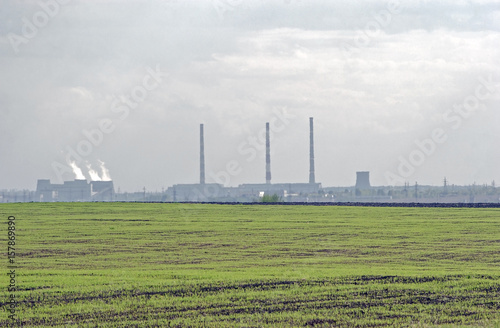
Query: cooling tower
363, 180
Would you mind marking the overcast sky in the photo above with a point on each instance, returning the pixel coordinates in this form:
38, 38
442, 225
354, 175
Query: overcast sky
409, 92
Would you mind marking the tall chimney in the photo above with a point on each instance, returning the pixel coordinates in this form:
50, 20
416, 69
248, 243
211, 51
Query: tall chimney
202, 156
311, 151
268, 155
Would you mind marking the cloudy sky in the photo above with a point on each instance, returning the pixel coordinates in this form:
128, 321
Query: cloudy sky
408, 91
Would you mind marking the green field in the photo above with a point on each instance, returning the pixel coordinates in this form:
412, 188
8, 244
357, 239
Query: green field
194, 265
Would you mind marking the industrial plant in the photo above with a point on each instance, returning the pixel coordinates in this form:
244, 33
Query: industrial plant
102, 189
247, 192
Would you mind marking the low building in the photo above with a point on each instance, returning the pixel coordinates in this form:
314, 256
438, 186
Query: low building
74, 191
196, 192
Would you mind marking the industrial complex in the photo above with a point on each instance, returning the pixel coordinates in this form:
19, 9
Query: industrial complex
246, 192
81, 190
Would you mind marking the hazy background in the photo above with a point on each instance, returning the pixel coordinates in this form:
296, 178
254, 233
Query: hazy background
232, 65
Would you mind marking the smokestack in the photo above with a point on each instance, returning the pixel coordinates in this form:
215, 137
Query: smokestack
312, 179
202, 156
268, 155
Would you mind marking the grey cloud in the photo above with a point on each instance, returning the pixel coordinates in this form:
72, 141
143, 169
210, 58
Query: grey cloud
231, 72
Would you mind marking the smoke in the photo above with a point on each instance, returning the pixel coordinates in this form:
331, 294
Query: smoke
105, 171
77, 171
94, 176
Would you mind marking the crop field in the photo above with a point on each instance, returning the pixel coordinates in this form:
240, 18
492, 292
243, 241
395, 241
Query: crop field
205, 265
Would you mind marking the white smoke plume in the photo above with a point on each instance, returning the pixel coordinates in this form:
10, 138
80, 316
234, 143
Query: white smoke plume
94, 176
77, 171
105, 172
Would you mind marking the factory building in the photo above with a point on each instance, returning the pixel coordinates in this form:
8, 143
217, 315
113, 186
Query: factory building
74, 191
102, 190
281, 189
196, 192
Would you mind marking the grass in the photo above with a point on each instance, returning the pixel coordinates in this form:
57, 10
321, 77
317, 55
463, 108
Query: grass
195, 265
